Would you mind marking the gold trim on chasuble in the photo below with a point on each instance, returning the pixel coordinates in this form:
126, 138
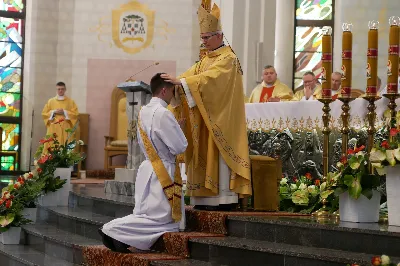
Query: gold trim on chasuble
172, 190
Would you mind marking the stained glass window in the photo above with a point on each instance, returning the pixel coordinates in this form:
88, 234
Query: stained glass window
12, 18
314, 9
311, 17
12, 5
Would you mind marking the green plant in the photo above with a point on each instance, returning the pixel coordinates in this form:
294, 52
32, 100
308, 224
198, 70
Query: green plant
353, 175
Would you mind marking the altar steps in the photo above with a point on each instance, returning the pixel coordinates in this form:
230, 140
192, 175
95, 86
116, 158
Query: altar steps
369, 238
22, 255
63, 232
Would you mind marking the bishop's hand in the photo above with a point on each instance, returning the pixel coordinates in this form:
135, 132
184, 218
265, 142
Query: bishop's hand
171, 79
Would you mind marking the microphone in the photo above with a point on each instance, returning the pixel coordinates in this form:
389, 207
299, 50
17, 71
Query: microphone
154, 64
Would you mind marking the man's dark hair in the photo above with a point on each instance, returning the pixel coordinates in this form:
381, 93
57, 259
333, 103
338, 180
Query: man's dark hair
60, 83
157, 83
269, 66
309, 73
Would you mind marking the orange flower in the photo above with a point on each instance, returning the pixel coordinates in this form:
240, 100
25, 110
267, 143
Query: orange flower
43, 141
39, 170
30, 175
8, 204
59, 121
54, 135
17, 185
317, 182
1, 201
43, 159
376, 261
308, 176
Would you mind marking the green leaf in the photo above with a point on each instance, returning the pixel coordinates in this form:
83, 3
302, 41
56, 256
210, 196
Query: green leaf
390, 157
377, 155
326, 193
355, 189
6, 220
367, 193
340, 190
348, 180
300, 197
354, 163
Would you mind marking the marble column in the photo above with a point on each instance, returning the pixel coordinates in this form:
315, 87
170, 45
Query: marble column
284, 39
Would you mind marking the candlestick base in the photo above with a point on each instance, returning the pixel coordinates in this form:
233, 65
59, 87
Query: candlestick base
345, 130
371, 124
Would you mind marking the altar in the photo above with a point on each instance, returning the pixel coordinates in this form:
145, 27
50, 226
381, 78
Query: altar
292, 132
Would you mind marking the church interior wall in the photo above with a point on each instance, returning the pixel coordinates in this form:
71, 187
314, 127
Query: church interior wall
65, 40
72, 41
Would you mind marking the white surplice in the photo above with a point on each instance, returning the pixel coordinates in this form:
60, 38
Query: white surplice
225, 195
151, 216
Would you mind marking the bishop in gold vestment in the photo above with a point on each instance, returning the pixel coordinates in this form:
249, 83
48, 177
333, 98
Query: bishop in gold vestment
60, 113
210, 97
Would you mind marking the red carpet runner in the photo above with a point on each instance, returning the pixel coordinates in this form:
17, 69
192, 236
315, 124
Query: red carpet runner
172, 246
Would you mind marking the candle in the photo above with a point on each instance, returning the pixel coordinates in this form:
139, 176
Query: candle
326, 63
372, 60
393, 56
347, 46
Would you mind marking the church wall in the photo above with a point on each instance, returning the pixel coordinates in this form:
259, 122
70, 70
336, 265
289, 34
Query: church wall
40, 71
72, 41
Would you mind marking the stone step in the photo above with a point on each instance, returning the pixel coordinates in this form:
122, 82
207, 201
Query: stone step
55, 242
93, 199
239, 251
370, 238
187, 262
74, 220
21, 255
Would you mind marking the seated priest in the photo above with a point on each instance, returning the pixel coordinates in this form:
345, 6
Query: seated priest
271, 89
159, 205
311, 90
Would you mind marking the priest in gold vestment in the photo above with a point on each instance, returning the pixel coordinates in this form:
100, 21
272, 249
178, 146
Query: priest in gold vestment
60, 113
311, 91
210, 97
271, 89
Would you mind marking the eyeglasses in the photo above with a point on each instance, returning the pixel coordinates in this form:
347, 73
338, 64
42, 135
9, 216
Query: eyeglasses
205, 38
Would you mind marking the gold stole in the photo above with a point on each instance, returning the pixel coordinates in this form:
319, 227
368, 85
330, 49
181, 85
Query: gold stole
172, 190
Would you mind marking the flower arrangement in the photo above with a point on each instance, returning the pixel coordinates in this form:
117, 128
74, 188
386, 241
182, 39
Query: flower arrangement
15, 197
353, 175
52, 154
386, 150
302, 195
379, 261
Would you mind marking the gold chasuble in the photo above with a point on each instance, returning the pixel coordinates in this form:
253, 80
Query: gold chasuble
217, 124
58, 123
172, 189
280, 91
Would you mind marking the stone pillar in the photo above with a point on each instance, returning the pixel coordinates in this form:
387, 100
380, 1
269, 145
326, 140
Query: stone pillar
284, 39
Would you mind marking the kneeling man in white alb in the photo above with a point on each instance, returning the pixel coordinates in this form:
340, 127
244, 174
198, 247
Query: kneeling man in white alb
159, 204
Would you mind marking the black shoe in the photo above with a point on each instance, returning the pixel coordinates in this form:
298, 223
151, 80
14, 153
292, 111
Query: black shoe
107, 241
121, 247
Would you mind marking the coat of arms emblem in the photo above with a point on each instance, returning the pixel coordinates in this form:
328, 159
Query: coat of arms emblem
133, 27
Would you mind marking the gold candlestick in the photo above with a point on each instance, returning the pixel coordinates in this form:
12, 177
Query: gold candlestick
324, 213
393, 67
345, 130
371, 124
